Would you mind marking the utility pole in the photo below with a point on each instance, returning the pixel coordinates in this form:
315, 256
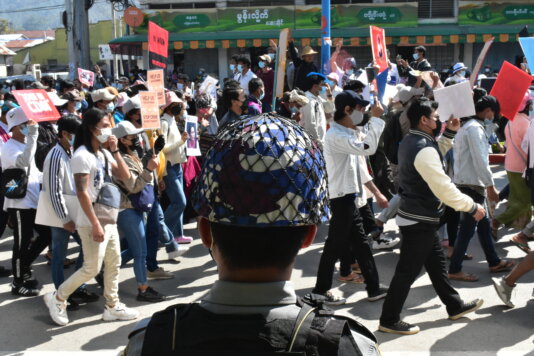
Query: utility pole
114, 29
325, 37
69, 28
81, 33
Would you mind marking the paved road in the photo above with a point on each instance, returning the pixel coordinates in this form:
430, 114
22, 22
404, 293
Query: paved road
492, 330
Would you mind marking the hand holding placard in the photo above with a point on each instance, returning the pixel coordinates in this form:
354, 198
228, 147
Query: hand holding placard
455, 100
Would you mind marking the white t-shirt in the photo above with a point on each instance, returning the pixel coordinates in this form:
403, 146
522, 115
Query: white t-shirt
86, 162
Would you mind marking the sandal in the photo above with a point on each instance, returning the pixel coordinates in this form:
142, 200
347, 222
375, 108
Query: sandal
351, 278
356, 268
464, 277
503, 266
521, 245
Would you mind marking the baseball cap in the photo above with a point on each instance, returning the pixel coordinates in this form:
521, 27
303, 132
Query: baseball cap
333, 76
406, 93
121, 99
171, 97
124, 80
38, 85
56, 100
349, 98
102, 94
263, 171
265, 58
488, 101
131, 104
125, 128
15, 117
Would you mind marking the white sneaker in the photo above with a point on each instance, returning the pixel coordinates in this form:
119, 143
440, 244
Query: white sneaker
175, 254
160, 273
384, 243
57, 309
119, 312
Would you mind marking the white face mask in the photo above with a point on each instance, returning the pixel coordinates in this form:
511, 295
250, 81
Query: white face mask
104, 135
356, 117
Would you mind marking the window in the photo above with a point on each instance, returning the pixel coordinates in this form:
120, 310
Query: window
431, 9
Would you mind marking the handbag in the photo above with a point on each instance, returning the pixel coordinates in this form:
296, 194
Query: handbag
144, 200
14, 183
108, 202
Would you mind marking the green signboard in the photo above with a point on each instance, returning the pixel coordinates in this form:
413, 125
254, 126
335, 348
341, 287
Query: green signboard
496, 12
278, 17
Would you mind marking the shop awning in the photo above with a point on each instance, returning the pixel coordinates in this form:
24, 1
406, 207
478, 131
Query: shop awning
421, 35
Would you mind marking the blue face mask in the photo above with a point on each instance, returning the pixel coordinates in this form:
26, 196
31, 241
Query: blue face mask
110, 107
240, 68
232, 67
271, 55
262, 95
71, 141
461, 73
261, 64
323, 90
78, 106
180, 86
1, 103
349, 72
25, 130
294, 110
415, 56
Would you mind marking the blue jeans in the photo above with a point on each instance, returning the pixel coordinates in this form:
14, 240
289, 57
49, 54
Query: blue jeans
131, 225
156, 229
60, 241
466, 232
174, 182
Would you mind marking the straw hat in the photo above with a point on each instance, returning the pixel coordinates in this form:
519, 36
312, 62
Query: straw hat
307, 51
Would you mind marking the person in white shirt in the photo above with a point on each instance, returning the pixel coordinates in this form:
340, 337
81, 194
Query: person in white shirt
346, 235
19, 152
93, 167
4, 137
244, 74
313, 114
458, 74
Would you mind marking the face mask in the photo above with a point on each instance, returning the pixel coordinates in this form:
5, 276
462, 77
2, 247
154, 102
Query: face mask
262, 95
1, 102
175, 110
24, 130
78, 106
104, 135
232, 67
437, 130
71, 141
323, 90
120, 86
294, 110
240, 68
261, 64
461, 73
244, 107
488, 127
415, 56
136, 146
356, 117
110, 107
271, 55
180, 86
349, 72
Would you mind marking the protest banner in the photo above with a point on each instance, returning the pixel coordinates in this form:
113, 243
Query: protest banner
158, 45
280, 66
155, 82
149, 110
378, 45
482, 56
36, 104
209, 86
509, 88
455, 100
527, 45
86, 77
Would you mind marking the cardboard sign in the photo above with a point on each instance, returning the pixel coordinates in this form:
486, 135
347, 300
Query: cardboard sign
378, 44
86, 77
158, 44
155, 81
149, 109
192, 146
480, 61
509, 88
527, 45
36, 104
280, 65
455, 100
209, 86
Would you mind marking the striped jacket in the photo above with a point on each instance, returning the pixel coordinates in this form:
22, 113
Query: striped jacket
58, 180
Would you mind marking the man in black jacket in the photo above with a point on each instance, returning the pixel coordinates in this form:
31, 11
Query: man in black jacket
303, 65
419, 63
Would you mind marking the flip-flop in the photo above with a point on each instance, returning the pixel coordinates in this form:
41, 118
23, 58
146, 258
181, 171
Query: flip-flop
522, 246
503, 266
464, 277
355, 278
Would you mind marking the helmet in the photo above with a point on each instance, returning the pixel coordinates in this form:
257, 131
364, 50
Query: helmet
263, 171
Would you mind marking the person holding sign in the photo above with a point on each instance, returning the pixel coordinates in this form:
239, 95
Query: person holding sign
19, 153
420, 63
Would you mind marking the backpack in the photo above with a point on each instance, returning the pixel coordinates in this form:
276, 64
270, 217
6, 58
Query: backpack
189, 329
46, 140
392, 136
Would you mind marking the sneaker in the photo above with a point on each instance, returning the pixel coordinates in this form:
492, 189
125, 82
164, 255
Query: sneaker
57, 309
331, 299
377, 231
160, 273
183, 239
23, 290
150, 295
119, 312
383, 243
5, 272
85, 295
377, 295
504, 291
467, 308
175, 254
29, 280
400, 327
354, 277
72, 304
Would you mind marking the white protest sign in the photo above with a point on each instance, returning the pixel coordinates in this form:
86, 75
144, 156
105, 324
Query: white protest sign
209, 86
456, 100
104, 52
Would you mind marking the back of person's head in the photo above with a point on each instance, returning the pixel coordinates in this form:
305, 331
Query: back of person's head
48, 81
69, 123
228, 82
66, 85
244, 59
231, 93
479, 93
254, 84
420, 107
203, 101
84, 135
262, 188
490, 102
354, 85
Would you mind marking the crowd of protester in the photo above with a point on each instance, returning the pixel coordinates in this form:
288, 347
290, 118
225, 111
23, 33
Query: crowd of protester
391, 153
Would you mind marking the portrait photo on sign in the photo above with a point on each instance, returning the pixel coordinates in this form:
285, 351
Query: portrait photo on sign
192, 146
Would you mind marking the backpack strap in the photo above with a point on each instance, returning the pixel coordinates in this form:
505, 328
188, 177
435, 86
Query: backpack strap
300, 333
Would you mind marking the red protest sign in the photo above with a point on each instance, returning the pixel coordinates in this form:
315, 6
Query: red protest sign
86, 77
36, 104
378, 45
509, 88
158, 44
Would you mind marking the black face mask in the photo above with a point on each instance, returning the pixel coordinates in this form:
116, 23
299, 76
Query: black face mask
175, 110
437, 130
136, 146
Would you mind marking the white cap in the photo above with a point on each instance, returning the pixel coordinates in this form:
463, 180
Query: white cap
15, 117
406, 93
122, 99
56, 100
125, 128
102, 94
131, 104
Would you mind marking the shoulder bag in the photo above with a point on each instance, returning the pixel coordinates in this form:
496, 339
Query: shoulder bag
108, 202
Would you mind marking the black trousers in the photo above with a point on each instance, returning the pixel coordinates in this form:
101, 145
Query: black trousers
346, 237
24, 250
420, 247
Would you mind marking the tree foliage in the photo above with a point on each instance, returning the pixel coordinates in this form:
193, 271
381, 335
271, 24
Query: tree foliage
4, 26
